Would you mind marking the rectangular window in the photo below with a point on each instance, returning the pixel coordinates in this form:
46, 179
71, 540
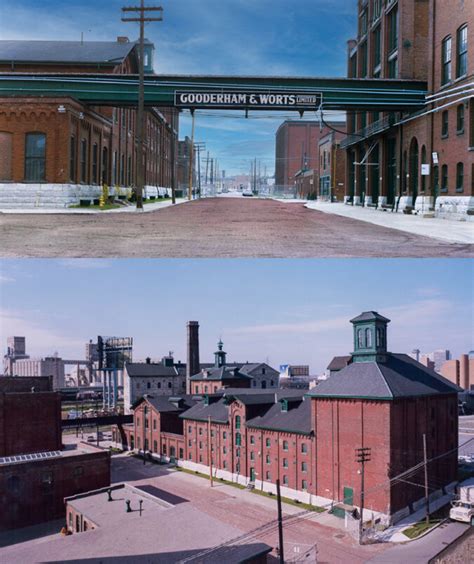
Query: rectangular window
376, 9
252, 440
363, 23
304, 466
363, 60
285, 480
392, 69
393, 30
224, 435
304, 485
304, 448
190, 443
252, 456
444, 178
460, 119
446, 47
376, 48
445, 124
460, 177
35, 157
181, 453
72, 159
461, 52
268, 476
155, 446
285, 463
83, 161
267, 459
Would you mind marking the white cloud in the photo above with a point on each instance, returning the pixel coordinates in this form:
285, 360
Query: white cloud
86, 264
6, 279
41, 339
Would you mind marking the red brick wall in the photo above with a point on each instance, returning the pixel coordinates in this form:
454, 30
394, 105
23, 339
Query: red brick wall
30, 423
34, 492
341, 426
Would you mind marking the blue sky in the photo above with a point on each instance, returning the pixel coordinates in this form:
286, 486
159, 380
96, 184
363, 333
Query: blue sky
294, 311
253, 37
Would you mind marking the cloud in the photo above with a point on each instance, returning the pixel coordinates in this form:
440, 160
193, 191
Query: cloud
86, 264
6, 279
41, 338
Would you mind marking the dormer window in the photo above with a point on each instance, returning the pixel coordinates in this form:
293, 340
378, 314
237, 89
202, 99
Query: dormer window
284, 405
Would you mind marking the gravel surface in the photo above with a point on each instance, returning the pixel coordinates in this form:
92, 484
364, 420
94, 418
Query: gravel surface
220, 227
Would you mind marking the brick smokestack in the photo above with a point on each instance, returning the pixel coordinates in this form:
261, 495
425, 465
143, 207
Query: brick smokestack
192, 365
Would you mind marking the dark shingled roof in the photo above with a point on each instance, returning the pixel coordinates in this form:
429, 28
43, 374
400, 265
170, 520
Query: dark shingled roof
370, 316
88, 52
168, 404
296, 420
217, 410
399, 376
144, 370
339, 362
222, 373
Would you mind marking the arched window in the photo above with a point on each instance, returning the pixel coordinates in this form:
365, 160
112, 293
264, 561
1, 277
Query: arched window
444, 178
360, 339
84, 161
414, 167
95, 167
460, 177
35, 157
237, 421
368, 338
460, 119
423, 161
405, 172
6, 156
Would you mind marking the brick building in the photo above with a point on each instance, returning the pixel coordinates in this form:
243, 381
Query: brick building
297, 151
332, 167
57, 151
424, 40
36, 474
377, 400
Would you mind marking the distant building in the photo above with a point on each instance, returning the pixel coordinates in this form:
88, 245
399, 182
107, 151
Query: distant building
297, 150
233, 375
49, 366
16, 350
460, 371
332, 166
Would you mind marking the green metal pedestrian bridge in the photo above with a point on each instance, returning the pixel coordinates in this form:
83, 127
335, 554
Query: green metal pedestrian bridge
223, 92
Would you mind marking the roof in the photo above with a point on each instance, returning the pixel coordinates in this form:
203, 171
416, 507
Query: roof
398, 377
87, 52
370, 316
220, 374
218, 411
145, 370
339, 362
167, 404
296, 420
130, 537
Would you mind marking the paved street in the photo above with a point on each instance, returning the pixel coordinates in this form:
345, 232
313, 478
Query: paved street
218, 227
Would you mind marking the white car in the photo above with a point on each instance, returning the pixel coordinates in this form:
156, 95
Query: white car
247, 193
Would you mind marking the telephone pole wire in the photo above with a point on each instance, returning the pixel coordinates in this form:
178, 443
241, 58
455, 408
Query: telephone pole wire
141, 19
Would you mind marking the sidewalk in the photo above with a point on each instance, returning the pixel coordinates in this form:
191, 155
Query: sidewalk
125, 209
442, 229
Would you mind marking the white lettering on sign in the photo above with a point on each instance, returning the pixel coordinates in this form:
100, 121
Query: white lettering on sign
247, 99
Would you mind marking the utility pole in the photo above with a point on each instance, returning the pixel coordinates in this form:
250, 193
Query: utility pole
199, 146
207, 167
191, 159
173, 160
209, 450
141, 88
280, 525
427, 493
363, 456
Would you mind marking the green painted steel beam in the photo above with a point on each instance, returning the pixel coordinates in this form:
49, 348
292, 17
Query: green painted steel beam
122, 90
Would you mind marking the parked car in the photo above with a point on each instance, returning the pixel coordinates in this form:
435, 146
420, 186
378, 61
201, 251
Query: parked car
247, 193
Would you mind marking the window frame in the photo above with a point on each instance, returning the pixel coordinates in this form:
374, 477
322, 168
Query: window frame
461, 56
446, 60
32, 161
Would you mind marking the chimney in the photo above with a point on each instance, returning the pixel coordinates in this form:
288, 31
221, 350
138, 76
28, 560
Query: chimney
193, 365
148, 360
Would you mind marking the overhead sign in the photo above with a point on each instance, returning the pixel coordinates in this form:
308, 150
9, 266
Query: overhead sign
239, 99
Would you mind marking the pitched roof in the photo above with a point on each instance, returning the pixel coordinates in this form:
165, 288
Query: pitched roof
168, 404
220, 374
339, 362
145, 370
87, 52
399, 376
296, 420
218, 411
370, 316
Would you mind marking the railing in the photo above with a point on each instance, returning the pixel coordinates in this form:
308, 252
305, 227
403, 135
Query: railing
372, 129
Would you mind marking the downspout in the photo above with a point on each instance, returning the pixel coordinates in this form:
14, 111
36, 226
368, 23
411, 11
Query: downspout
432, 87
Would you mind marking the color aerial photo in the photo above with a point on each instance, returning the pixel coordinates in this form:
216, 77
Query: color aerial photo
236, 411
237, 281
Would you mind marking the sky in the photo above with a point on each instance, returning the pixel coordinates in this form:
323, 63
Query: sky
279, 311
246, 37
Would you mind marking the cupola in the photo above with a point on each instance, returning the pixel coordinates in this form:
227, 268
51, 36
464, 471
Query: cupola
370, 337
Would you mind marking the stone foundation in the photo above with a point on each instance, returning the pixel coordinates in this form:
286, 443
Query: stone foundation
455, 207
60, 196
